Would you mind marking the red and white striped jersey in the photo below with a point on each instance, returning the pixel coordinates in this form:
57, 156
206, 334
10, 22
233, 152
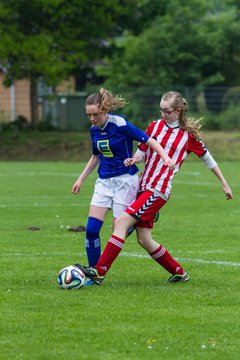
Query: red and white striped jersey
177, 143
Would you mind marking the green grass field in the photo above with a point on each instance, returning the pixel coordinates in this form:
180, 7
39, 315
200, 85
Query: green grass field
134, 314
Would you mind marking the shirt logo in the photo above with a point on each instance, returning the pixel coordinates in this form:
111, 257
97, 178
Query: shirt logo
103, 147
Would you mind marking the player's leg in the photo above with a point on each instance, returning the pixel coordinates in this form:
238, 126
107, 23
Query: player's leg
147, 214
161, 255
111, 251
133, 213
116, 242
100, 204
126, 189
92, 241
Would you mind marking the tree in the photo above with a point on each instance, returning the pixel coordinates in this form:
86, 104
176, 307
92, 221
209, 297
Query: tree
51, 39
191, 43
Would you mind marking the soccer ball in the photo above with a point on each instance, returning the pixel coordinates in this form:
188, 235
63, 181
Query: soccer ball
71, 278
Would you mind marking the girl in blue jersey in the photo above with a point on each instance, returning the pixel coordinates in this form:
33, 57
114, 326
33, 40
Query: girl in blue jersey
117, 185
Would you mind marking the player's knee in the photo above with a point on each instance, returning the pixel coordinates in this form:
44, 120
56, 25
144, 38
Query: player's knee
118, 222
92, 233
144, 241
122, 223
141, 241
93, 228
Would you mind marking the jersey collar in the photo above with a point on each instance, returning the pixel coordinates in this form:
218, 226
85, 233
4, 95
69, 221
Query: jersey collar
104, 126
173, 125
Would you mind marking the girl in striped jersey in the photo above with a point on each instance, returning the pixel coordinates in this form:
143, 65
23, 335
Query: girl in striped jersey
179, 136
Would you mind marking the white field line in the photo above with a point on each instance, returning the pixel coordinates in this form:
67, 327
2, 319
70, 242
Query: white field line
226, 263
43, 205
45, 173
40, 173
132, 255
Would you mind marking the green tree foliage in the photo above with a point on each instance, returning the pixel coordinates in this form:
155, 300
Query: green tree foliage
190, 43
52, 39
139, 42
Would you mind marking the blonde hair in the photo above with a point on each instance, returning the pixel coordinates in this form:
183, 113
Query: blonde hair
106, 100
176, 101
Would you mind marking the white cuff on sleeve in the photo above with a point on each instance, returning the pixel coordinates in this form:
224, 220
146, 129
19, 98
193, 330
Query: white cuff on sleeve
141, 154
208, 160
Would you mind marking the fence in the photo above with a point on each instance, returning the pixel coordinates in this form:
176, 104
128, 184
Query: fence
67, 112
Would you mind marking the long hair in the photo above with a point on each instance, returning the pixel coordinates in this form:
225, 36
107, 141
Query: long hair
176, 101
106, 100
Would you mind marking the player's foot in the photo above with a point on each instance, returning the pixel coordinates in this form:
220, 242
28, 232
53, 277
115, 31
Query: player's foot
91, 273
177, 277
89, 282
156, 217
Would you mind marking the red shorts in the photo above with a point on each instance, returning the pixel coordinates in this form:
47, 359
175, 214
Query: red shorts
144, 208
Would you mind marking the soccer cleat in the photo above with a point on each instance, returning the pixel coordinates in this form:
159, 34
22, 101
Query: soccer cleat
130, 230
177, 278
89, 282
91, 273
156, 217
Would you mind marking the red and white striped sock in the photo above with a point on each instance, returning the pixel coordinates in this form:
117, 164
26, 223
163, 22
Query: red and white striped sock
162, 257
110, 253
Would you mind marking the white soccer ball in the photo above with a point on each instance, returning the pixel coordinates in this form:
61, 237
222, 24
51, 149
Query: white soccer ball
71, 278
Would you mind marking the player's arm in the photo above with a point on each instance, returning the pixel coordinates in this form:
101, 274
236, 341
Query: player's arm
212, 165
226, 189
199, 149
92, 163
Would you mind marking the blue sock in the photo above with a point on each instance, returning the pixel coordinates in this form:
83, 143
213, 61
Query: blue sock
92, 241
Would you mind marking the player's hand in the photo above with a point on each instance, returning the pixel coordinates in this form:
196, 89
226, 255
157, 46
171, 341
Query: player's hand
170, 163
129, 162
76, 187
227, 191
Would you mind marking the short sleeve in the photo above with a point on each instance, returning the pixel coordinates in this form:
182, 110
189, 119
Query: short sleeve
196, 146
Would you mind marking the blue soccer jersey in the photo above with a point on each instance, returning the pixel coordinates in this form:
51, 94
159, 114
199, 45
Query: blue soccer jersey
114, 143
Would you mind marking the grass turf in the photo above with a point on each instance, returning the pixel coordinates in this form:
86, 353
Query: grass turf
76, 146
134, 314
